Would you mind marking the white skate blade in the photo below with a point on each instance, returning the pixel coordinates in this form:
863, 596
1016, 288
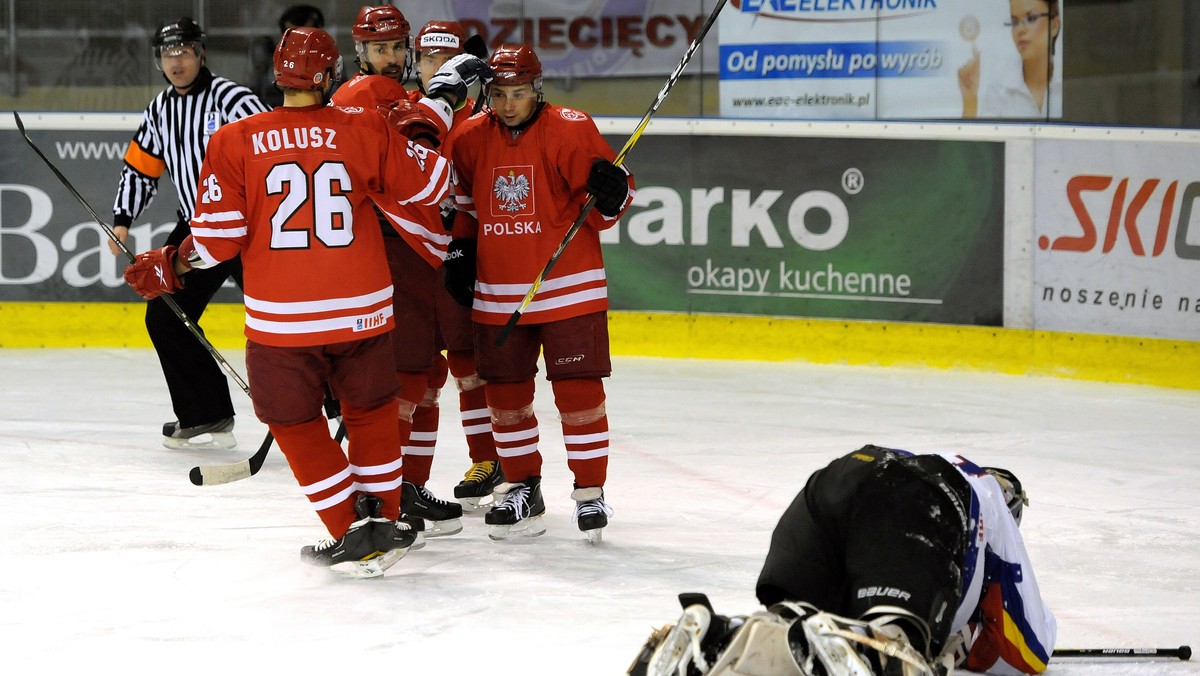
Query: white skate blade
369, 568
525, 528
594, 536
438, 529
201, 442
475, 504
679, 647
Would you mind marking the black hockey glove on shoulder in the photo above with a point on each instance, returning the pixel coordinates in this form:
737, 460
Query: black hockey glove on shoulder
608, 184
460, 271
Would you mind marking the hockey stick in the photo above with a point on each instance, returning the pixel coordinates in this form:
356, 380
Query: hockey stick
1183, 652
475, 46
199, 475
211, 475
129, 254
591, 201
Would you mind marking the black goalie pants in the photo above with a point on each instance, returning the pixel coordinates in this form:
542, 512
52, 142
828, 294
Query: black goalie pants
874, 528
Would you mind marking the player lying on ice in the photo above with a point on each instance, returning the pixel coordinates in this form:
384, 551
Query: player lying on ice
885, 563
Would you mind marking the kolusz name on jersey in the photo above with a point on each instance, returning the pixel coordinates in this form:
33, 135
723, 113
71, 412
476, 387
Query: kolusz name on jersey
274, 140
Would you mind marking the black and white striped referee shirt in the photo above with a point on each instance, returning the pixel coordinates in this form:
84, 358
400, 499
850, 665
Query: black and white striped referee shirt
173, 137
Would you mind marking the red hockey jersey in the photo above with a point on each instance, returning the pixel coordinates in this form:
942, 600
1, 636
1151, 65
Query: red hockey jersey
518, 192
291, 191
420, 226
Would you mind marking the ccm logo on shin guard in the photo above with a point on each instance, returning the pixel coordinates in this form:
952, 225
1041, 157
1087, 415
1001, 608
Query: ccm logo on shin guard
892, 592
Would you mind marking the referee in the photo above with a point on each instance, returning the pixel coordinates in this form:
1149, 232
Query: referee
173, 136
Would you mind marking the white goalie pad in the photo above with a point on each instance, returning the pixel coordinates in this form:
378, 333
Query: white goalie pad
758, 648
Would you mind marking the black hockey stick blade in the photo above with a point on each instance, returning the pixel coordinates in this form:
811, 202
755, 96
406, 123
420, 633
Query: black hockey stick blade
1183, 653
475, 46
211, 475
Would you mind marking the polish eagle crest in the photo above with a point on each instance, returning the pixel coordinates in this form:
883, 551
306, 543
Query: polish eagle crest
512, 191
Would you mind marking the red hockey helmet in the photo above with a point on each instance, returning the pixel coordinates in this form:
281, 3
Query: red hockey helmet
516, 65
303, 58
380, 23
441, 36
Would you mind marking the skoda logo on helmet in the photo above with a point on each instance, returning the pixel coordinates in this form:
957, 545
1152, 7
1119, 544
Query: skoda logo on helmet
439, 40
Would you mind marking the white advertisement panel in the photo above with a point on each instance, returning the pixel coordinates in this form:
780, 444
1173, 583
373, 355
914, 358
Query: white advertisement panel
583, 38
891, 59
1117, 238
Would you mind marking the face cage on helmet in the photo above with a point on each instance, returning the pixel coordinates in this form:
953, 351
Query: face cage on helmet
1014, 493
197, 49
338, 71
536, 84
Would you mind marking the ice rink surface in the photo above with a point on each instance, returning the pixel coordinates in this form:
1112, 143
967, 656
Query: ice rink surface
111, 559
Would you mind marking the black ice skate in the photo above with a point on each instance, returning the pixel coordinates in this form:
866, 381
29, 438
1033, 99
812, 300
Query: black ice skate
479, 483
591, 512
370, 546
519, 512
218, 434
443, 516
417, 525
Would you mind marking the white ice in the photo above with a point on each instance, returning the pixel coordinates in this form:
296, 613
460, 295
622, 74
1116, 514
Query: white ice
111, 559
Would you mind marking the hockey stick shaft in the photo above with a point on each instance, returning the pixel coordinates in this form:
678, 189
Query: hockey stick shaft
591, 201
191, 326
1183, 652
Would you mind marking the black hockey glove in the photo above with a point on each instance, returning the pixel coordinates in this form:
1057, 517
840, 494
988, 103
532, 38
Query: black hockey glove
460, 271
607, 183
450, 82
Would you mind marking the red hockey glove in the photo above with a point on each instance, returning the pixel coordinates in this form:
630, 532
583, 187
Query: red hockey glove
153, 273
412, 122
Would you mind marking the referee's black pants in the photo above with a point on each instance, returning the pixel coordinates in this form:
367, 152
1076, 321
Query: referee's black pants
199, 391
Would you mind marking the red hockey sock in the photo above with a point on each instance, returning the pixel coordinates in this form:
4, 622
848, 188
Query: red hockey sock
515, 429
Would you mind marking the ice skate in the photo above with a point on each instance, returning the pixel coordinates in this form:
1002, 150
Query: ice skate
591, 512
417, 525
443, 517
519, 512
370, 546
212, 435
479, 483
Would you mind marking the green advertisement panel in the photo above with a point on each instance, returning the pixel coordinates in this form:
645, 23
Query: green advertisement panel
894, 230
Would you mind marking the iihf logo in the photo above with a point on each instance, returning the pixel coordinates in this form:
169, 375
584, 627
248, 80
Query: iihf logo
212, 122
367, 323
511, 190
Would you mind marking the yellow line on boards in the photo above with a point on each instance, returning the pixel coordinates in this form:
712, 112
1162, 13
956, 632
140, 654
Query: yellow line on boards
1117, 359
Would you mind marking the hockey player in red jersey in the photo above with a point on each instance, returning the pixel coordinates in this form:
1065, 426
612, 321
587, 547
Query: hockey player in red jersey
429, 319
292, 191
436, 43
525, 170
887, 562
